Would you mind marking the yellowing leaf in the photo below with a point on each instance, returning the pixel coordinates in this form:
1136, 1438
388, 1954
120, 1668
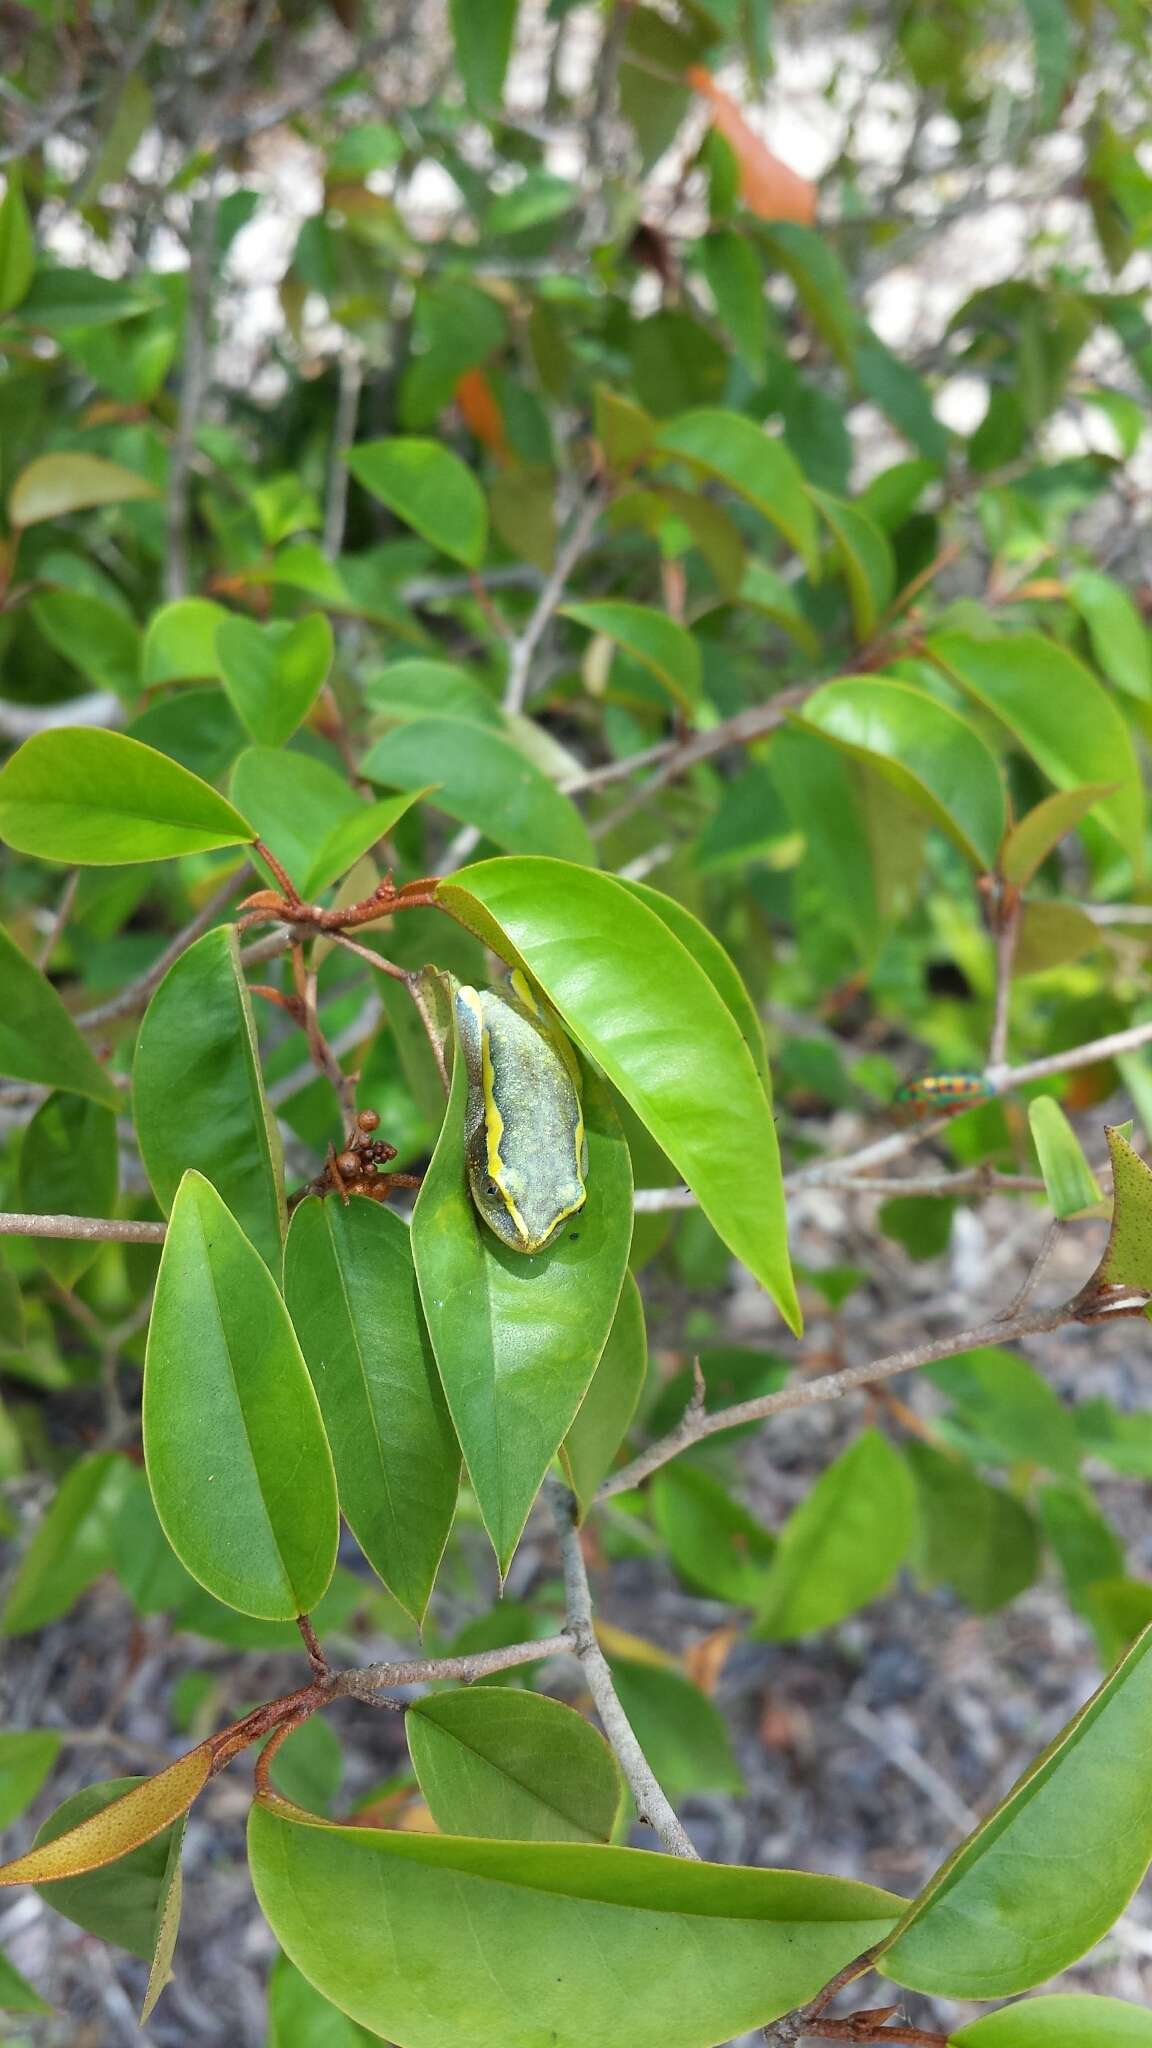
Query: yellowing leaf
145, 1811
55, 485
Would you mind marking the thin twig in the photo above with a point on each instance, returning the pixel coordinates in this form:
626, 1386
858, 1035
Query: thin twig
95, 1229
972, 1180
135, 996
60, 918
680, 755
652, 1806
694, 1426
343, 434
368, 1680
525, 644
1007, 933
1076, 1056
193, 385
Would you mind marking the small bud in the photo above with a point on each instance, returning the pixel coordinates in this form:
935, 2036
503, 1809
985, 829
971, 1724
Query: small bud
347, 1165
368, 1120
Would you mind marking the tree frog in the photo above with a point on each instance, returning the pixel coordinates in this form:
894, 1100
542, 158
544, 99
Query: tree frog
525, 1146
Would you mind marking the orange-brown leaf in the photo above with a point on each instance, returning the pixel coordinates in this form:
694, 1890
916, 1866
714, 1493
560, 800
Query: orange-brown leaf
481, 413
130, 1820
769, 188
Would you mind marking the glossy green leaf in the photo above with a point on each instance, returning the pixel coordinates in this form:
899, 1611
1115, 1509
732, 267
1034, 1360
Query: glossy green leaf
1007, 1411
1118, 634
1070, 1182
299, 2016
715, 1544
196, 727
351, 1291
483, 780
38, 1040
518, 1945
26, 1757
931, 753
844, 1544
1066, 2020
971, 1536
483, 31
103, 642
237, 1459
1012, 1906
180, 643
295, 803
199, 1094
69, 1167
512, 1766
517, 1337
55, 485
866, 559
665, 649
98, 799
17, 248
72, 1545
1029, 842
1059, 713
273, 674
353, 835
718, 965
632, 996
740, 454
430, 489
430, 689
598, 1429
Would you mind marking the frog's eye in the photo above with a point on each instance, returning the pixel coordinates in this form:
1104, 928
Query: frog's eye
490, 1188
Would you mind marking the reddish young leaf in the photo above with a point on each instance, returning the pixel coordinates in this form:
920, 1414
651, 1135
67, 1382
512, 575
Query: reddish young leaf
145, 1811
768, 187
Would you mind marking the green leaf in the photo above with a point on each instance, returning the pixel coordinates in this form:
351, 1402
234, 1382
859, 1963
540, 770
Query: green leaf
1052, 44
740, 454
1029, 843
351, 1292
166, 1925
55, 485
763, 590
309, 1766
609, 965
736, 281
932, 754
130, 1830
1060, 714
430, 689
1012, 1906
299, 2016
430, 489
866, 558
61, 297
844, 1544
512, 1766
667, 650
721, 970
98, 799
716, 1545
496, 1944
598, 1429
199, 1095
69, 1166
295, 803
973, 1537
352, 837
517, 1337
38, 1040
1064, 2020
485, 781
684, 1737
1007, 1410
1086, 1546
483, 31
822, 286
16, 1994
180, 643
13, 1326
72, 1545
102, 641
1050, 934
1118, 634
196, 727
237, 1460
273, 674
1070, 1182
893, 386
25, 1761
17, 248
1127, 1260
540, 196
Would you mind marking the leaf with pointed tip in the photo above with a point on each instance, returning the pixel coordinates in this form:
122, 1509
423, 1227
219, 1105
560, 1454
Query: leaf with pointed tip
38, 1040
1070, 1182
199, 1093
295, 803
353, 835
1127, 1260
632, 995
430, 489
484, 780
667, 650
55, 485
98, 799
131, 1819
496, 1942
1028, 843
843, 1545
1012, 1907
517, 1337
1118, 634
716, 1546
737, 452
167, 1923
237, 1459
274, 673
512, 1766
351, 1291
598, 1428
865, 556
